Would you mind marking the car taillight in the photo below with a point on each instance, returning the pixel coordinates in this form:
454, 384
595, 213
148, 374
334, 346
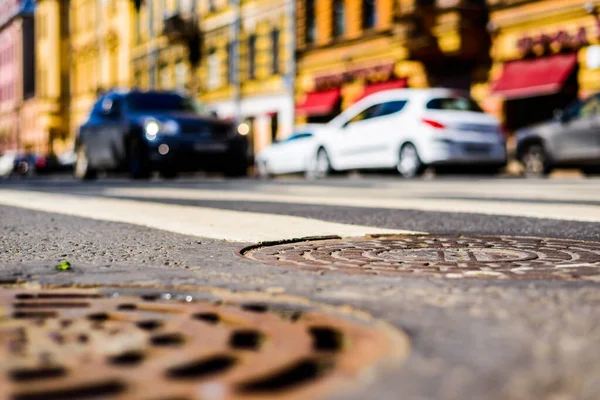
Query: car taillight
40, 162
434, 124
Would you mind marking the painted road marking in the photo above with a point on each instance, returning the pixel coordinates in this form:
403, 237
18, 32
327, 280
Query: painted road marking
212, 223
344, 197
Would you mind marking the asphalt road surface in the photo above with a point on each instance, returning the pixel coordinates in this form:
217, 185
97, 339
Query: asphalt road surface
487, 335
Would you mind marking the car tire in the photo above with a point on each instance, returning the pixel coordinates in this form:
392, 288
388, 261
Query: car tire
169, 173
319, 165
488, 171
409, 163
591, 171
535, 161
82, 169
137, 160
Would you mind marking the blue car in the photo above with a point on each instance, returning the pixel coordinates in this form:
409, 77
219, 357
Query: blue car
144, 131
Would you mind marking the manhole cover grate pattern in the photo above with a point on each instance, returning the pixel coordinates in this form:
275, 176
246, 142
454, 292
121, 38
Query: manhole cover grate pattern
75, 343
440, 256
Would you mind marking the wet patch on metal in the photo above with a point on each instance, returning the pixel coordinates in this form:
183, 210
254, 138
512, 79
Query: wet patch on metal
443, 256
143, 344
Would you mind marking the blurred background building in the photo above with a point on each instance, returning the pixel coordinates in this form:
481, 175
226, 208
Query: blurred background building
16, 68
99, 53
248, 65
47, 115
274, 63
545, 55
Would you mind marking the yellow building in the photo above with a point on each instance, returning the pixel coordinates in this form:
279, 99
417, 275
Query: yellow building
248, 70
351, 48
344, 47
157, 62
546, 53
47, 116
101, 40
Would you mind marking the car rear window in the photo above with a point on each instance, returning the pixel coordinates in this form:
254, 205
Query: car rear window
454, 104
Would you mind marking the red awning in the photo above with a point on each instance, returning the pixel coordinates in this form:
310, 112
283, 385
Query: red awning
319, 103
379, 86
537, 77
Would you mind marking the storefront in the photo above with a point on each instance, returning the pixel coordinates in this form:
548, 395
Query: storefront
332, 93
546, 55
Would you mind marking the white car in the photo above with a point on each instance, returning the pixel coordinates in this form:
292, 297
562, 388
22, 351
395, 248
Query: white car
7, 163
409, 129
290, 155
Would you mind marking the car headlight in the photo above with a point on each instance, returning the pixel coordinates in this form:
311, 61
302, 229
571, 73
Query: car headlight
154, 128
243, 129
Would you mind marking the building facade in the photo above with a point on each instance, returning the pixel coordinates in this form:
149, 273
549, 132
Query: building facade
546, 54
351, 48
16, 69
157, 61
248, 67
47, 114
101, 39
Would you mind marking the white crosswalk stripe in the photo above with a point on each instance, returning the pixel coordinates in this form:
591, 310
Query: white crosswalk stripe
149, 205
496, 202
198, 221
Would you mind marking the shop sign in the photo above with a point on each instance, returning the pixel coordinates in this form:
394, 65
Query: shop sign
378, 73
561, 39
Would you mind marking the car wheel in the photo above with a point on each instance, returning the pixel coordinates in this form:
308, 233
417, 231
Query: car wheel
591, 171
409, 163
320, 166
139, 165
535, 162
82, 169
263, 170
169, 173
487, 171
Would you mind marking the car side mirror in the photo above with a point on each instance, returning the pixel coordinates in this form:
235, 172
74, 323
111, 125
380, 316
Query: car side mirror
560, 116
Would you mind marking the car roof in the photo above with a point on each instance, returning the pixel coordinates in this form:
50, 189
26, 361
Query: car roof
414, 93
124, 92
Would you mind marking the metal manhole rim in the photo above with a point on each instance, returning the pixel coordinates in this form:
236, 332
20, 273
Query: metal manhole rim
498, 243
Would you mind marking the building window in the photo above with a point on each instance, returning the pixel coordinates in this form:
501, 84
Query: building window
311, 23
152, 77
339, 17
369, 13
231, 63
214, 70
274, 126
252, 57
275, 51
165, 77
180, 75
150, 5
137, 27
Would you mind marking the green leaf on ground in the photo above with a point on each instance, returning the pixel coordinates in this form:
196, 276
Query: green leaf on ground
64, 266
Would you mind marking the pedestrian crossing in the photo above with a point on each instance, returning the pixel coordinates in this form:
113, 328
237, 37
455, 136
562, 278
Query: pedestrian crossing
149, 204
204, 222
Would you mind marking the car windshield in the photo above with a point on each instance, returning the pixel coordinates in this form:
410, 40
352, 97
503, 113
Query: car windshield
454, 104
161, 102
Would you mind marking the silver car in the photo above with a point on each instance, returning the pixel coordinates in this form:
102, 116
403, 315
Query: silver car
570, 140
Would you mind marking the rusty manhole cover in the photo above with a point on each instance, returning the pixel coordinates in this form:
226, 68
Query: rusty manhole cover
440, 256
75, 343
